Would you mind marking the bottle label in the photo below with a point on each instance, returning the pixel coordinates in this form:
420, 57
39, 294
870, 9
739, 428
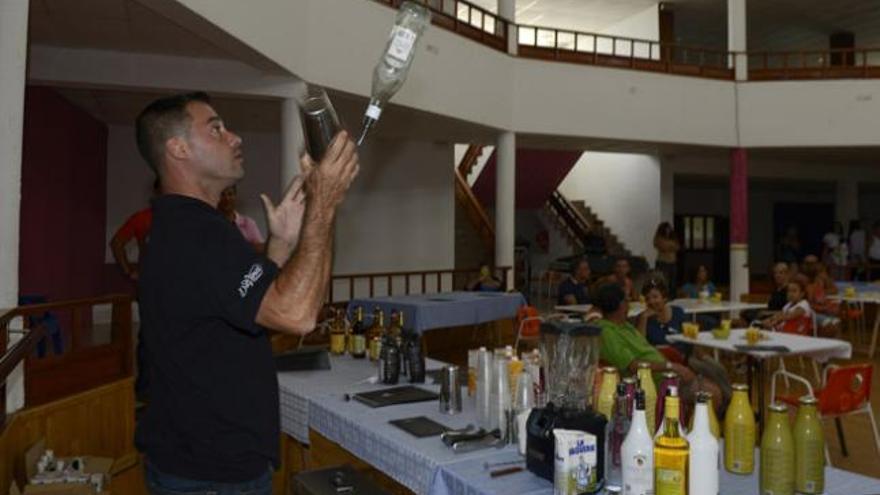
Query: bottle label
638, 476
374, 111
358, 344
401, 46
740, 448
337, 343
670, 482
810, 467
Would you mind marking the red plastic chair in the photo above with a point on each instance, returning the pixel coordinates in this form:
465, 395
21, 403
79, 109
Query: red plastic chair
672, 354
846, 391
528, 323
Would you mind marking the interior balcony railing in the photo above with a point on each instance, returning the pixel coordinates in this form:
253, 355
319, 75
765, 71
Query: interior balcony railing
547, 43
845, 63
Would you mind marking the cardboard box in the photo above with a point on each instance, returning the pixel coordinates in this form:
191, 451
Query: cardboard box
93, 465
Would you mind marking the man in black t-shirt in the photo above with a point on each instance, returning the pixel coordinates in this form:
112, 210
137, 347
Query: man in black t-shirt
575, 289
206, 298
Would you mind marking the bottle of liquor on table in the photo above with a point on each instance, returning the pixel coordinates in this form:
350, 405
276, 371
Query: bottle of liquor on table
375, 334
714, 425
357, 343
389, 362
671, 452
704, 451
670, 381
646, 383
415, 358
617, 430
777, 453
739, 432
337, 334
607, 391
637, 452
809, 448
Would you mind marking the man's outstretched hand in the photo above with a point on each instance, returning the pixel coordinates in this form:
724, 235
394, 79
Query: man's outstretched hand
285, 220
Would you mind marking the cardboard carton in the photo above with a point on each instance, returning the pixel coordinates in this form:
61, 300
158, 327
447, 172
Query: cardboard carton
102, 466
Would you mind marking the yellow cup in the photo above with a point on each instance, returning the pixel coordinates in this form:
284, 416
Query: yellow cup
690, 330
716, 297
849, 292
725, 324
753, 335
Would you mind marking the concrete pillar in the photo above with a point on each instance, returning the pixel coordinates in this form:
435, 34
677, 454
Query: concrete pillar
736, 37
505, 202
13, 60
507, 11
667, 194
847, 200
739, 224
291, 141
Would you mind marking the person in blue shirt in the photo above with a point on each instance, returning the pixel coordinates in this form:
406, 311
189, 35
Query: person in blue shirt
700, 283
575, 289
659, 318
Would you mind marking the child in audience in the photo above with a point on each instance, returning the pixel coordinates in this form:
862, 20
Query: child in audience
797, 315
700, 284
659, 318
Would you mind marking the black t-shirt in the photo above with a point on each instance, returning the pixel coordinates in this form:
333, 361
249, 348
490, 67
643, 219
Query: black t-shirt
778, 299
571, 287
213, 413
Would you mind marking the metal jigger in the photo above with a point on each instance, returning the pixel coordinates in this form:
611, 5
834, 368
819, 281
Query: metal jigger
320, 122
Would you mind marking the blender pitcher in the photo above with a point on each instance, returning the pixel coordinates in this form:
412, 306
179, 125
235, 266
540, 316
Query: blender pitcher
571, 356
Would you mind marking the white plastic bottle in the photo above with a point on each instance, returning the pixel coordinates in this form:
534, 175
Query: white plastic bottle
637, 453
704, 452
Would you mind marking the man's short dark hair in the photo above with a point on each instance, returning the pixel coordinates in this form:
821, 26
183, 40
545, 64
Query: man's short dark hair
609, 297
160, 121
577, 264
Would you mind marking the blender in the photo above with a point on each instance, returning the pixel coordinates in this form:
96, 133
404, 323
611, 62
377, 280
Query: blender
570, 352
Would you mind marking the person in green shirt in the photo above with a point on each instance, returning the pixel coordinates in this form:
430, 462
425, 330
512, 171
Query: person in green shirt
623, 346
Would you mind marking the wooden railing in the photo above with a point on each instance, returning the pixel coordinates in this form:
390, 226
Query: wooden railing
570, 218
469, 160
464, 195
465, 19
815, 64
621, 52
346, 287
84, 362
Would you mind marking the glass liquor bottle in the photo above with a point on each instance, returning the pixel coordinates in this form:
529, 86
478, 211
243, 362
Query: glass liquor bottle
375, 334
671, 453
357, 343
637, 452
337, 334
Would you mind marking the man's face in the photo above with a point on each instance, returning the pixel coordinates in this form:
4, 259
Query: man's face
215, 151
780, 274
582, 273
621, 268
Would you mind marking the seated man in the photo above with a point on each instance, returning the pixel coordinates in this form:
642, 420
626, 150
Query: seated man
624, 347
486, 282
576, 288
621, 276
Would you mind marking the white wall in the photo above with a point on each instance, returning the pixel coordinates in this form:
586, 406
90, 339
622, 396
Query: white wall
644, 25
623, 189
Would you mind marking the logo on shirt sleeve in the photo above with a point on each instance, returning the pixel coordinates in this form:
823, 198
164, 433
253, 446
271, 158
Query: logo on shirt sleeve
250, 279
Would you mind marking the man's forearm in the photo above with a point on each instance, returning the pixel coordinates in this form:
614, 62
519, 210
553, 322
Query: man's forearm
300, 287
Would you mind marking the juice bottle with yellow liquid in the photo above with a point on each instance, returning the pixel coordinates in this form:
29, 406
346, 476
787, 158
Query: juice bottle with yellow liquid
671, 453
646, 383
739, 432
777, 454
809, 448
610, 379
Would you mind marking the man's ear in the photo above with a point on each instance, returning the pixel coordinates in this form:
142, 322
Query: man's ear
177, 148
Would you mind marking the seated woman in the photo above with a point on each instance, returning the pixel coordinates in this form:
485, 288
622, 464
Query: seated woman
796, 316
659, 318
819, 286
486, 282
699, 284
623, 347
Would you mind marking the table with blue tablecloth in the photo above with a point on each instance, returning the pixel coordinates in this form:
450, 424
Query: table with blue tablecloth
424, 312
319, 400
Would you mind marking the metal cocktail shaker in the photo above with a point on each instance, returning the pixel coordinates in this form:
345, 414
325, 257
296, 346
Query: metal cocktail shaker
450, 391
320, 122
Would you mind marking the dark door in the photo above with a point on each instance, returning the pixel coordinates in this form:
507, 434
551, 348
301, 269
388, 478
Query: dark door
705, 240
812, 221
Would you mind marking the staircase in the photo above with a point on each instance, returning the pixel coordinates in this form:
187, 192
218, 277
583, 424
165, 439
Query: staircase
467, 206
576, 221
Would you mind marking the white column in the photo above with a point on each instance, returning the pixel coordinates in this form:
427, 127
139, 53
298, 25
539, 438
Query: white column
291, 141
13, 61
505, 202
507, 11
667, 194
847, 200
736, 37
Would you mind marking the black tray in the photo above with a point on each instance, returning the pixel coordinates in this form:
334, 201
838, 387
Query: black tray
393, 396
305, 359
420, 426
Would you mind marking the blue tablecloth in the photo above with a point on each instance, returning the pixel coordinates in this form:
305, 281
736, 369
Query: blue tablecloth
316, 399
448, 309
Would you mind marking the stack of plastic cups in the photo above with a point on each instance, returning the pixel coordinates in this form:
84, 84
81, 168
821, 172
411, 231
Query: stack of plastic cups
500, 396
484, 383
523, 402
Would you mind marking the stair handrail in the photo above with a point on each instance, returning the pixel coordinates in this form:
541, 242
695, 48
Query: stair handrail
475, 210
469, 160
573, 219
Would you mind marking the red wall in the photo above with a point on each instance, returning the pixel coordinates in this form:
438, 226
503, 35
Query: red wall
63, 199
538, 174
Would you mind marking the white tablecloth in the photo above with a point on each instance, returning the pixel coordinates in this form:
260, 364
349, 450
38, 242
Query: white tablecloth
820, 349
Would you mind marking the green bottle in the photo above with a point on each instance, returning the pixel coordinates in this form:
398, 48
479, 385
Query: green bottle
809, 448
777, 454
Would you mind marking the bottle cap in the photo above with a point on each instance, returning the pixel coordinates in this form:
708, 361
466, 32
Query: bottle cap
740, 387
672, 407
778, 407
808, 400
644, 365
640, 400
703, 397
670, 374
630, 380
621, 389
610, 370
